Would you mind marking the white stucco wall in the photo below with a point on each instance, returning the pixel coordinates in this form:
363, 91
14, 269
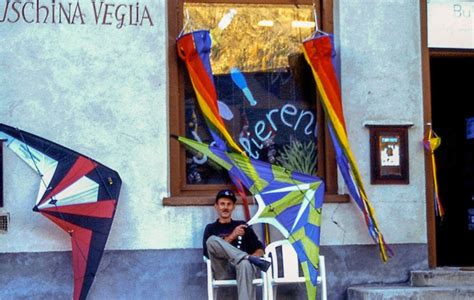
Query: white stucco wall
102, 91
380, 60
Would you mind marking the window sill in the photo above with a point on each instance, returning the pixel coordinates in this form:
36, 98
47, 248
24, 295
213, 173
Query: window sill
209, 200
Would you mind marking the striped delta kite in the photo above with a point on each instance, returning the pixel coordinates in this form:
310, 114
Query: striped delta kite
290, 201
319, 53
77, 193
194, 49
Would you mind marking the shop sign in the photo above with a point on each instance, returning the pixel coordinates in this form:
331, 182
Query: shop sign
451, 24
63, 12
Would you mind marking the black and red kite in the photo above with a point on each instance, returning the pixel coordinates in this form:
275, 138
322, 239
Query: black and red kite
77, 193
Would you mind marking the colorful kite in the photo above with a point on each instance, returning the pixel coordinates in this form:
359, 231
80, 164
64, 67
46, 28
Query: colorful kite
77, 193
290, 201
194, 49
432, 142
319, 53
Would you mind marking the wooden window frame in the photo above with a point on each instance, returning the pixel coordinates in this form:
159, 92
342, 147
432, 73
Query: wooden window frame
183, 194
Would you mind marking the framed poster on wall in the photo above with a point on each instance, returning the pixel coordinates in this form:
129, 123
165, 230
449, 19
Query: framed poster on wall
389, 154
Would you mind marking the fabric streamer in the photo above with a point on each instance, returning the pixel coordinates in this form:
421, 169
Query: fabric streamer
319, 53
431, 143
194, 49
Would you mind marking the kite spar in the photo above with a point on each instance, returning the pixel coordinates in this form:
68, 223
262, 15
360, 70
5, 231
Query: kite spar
78, 194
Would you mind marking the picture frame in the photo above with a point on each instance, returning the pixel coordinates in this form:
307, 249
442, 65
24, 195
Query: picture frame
389, 160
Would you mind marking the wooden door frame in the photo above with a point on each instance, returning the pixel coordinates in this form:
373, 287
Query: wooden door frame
426, 81
426, 54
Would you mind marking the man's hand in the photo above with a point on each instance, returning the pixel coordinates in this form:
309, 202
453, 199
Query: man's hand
259, 252
238, 231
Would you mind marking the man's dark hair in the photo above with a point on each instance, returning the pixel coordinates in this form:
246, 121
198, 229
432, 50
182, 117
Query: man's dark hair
226, 194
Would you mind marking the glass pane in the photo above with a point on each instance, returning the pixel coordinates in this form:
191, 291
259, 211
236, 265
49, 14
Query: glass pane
265, 89
389, 146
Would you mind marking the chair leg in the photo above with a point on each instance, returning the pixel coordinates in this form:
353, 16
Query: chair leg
268, 288
322, 267
210, 290
210, 293
271, 290
264, 286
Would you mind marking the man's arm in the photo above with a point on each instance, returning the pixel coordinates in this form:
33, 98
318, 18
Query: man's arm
205, 236
238, 231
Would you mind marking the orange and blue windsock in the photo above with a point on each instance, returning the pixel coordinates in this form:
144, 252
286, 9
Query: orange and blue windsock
431, 143
319, 53
194, 49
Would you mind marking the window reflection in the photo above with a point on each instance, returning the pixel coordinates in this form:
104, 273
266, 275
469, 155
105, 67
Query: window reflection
266, 92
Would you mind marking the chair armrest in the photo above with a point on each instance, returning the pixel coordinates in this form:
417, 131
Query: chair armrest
208, 265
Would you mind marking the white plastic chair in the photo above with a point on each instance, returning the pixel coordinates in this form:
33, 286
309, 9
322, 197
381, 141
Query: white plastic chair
285, 268
216, 283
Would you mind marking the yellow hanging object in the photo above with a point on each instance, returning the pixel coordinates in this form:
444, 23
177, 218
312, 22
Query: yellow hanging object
432, 142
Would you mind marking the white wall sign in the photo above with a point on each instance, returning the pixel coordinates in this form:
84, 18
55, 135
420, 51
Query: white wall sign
450, 24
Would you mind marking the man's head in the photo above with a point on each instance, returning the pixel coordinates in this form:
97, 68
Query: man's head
225, 204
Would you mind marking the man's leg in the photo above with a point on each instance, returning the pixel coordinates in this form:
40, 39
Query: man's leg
219, 249
245, 275
222, 254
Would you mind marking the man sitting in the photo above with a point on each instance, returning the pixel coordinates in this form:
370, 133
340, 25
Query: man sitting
233, 248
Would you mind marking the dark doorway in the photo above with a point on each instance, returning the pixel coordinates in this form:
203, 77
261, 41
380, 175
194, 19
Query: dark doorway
452, 91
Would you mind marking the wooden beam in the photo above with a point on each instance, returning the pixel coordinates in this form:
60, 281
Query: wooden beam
327, 7
425, 62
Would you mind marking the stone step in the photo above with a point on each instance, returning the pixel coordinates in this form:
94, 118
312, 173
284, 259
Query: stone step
384, 292
442, 277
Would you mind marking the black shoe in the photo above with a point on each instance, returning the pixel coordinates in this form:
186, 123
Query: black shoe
259, 262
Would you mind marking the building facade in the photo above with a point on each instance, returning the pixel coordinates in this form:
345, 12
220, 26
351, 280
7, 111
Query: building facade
94, 76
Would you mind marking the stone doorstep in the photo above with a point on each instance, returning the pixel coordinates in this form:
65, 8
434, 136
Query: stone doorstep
386, 292
442, 277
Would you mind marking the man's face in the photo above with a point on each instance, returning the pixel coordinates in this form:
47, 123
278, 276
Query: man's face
224, 208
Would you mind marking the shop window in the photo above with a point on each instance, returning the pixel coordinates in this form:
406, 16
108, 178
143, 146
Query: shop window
266, 93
